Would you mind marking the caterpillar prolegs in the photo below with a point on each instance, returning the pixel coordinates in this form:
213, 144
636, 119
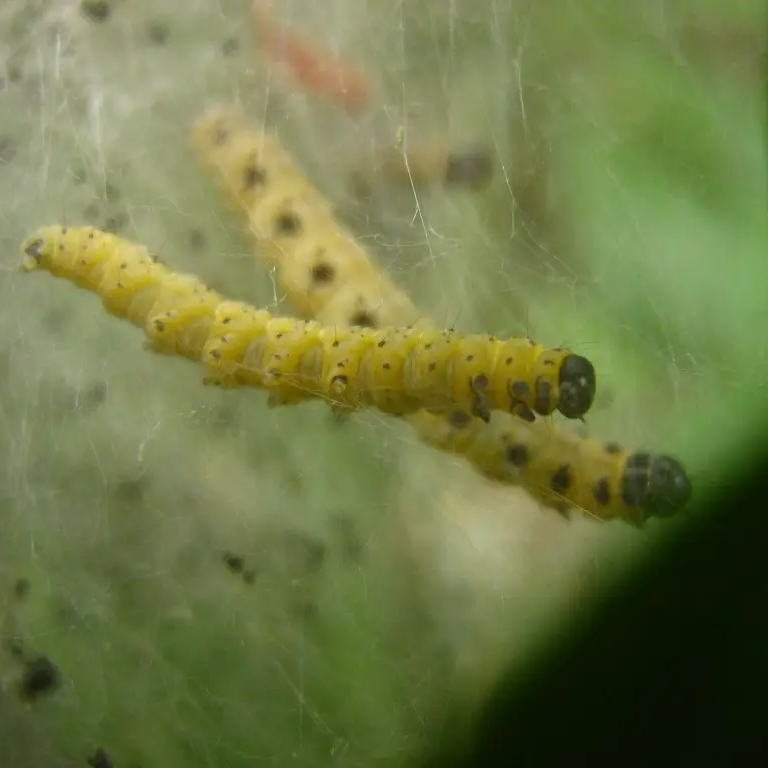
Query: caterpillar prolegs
397, 370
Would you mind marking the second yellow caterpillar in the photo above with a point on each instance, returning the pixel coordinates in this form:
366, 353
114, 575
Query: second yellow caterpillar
397, 370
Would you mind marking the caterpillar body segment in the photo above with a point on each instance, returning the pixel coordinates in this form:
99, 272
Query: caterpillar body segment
351, 367
175, 310
247, 347
372, 303
252, 168
318, 266
282, 215
561, 469
246, 162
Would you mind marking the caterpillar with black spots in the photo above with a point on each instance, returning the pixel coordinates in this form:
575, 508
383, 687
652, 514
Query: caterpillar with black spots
314, 257
563, 470
397, 370
559, 468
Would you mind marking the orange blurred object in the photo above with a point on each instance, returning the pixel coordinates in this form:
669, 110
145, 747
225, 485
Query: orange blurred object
316, 72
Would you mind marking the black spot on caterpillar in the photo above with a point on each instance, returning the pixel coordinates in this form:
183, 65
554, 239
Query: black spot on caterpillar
370, 303
605, 480
397, 370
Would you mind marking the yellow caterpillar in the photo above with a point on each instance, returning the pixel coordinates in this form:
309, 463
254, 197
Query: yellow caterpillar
294, 228
561, 469
556, 466
397, 370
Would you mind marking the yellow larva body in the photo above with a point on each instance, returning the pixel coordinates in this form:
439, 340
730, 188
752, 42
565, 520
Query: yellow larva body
351, 289
395, 370
561, 469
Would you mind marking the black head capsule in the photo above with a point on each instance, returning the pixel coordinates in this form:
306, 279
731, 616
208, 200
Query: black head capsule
669, 489
577, 386
34, 249
658, 485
